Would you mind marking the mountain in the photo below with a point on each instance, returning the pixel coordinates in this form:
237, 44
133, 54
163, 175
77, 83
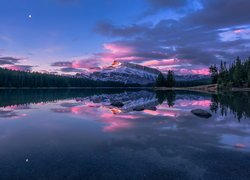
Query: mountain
130, 73
125, 72
191, 77
130, 101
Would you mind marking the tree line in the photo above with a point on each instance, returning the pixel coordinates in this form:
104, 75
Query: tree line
237, 74
11, 78
169, 81
236, 103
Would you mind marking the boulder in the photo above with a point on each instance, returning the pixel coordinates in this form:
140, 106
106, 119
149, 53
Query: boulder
201, 113
152, 108
117, 104
138, 109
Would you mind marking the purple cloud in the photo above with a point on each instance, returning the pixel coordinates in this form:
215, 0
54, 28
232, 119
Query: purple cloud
193, 40
20, 67
9, 60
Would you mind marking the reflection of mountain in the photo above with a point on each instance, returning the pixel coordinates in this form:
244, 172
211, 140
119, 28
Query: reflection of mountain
24, 96
236, 103
131, 101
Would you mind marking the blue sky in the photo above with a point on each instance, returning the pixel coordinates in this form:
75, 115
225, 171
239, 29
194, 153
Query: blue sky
90, 34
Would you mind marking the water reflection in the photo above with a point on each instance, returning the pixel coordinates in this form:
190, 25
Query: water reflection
237, 103
108, 133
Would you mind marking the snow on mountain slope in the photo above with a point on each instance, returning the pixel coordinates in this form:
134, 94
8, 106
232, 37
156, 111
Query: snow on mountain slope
134, 74
191, 77
127, 73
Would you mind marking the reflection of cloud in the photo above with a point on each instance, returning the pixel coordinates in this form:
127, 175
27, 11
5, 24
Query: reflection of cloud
103, 114
69, 104
18, 107
61, 110
10, 114
163, 112
116, 122
193, 103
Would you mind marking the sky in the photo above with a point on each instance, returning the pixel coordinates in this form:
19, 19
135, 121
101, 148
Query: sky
72, 36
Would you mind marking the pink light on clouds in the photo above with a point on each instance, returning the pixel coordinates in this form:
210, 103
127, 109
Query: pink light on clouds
239, 31
116, 52
118, 48
201, 103
165, 62
202, 71
162, 112
117, 122
20, 67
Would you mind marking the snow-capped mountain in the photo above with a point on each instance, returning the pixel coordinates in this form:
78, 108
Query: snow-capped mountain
130, 101
191, 77
130, 73
127, 73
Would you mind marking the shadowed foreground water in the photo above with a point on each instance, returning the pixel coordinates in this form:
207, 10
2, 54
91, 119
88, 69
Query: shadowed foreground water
77, 134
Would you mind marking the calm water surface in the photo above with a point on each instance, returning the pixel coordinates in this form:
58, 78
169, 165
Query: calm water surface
78, 134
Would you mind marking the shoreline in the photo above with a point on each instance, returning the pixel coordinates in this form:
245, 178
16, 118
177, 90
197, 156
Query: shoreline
205, 88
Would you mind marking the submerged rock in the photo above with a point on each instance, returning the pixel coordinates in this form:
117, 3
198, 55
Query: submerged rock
201, 113
138, 109
117, 104
152, 108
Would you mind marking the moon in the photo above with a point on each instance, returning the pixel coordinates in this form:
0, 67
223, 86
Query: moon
30, 16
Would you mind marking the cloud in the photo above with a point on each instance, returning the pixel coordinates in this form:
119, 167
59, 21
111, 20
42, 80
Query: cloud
9, 60
167, 3
62, 64
79, 64
20, 67
214, 31
69, 69
108, 29
221, 14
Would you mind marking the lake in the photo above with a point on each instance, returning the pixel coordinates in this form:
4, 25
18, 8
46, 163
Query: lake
78, 134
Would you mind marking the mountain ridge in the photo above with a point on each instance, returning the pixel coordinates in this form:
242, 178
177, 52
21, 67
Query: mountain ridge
130, 73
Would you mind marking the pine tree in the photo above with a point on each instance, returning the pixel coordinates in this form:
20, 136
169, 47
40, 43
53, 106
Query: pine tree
237, 75
160, 81
170, 79
214, 73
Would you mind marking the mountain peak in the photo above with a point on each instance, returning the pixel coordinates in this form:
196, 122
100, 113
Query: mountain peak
116, 63
131, 73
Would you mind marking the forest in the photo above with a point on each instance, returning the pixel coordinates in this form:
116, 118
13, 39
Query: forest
237, 74
11, 78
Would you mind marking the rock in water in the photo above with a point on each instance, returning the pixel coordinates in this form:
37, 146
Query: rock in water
201, 113
117, 104
138, 109
152, 108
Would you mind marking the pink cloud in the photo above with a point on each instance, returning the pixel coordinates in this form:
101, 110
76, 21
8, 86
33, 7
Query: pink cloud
20, 67
240, 145
202, 71
164, 62
118, 48
239, 31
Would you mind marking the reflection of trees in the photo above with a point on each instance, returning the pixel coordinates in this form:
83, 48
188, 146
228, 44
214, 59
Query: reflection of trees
169, 96
26, 96
236, 102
